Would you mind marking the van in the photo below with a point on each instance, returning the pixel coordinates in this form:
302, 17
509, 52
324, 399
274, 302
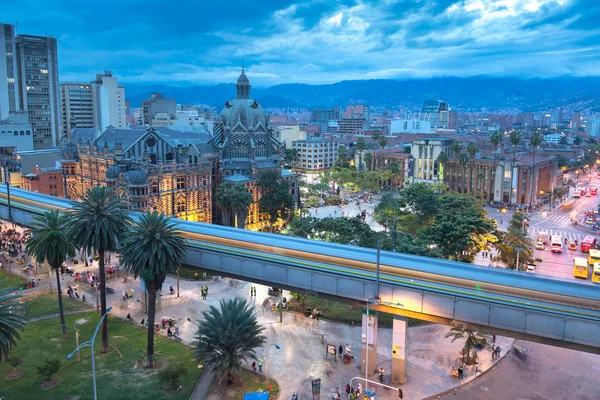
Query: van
543, 237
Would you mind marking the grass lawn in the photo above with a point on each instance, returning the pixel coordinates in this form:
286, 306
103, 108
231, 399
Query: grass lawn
12, 281
244, 382
117, 377
188, 273
48, 304
345, 313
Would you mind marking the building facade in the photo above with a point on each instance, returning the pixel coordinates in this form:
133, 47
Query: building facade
436, 112
315, 154
77, 106
157, 104
109, 97
37, 75
410, 126
9, 95
44, 180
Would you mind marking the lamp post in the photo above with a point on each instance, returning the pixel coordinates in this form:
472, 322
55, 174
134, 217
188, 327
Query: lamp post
267, 360
90, 343
178, 282
7, 181
195, 323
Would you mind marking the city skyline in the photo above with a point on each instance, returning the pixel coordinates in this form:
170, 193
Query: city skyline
316, 42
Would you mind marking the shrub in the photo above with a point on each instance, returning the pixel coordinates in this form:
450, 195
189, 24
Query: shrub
15, 361
49, 369
171, 375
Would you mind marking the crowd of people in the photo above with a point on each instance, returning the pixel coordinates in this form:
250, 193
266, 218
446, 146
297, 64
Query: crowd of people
12, 242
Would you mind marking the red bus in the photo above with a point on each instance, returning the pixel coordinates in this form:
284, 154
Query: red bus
594, 191
587, 243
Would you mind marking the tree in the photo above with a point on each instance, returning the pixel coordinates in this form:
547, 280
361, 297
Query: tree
12, 319
463, 160
49, 369
536, 139
473, 339
233, 200
153, 248
360, 146
342, 158
228, 336
382, 142
515, 139
461, 228
98, 223
577, 141
171, 375
388, 209
515, 244
496, 138
563, 140
275, 198
472, 151
52, 243
291, 157
368, 157
422, 200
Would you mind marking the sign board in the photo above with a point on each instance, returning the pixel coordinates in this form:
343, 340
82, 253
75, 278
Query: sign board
441, 172
331, 349
316, 388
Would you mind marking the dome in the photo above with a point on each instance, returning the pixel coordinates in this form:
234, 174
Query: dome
68, 151
113, 172
137, 177
247, 111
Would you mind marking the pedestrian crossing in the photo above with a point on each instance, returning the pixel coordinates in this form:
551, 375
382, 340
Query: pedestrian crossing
559, 219
534, 232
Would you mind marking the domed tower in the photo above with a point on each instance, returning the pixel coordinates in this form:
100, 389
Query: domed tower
243, 135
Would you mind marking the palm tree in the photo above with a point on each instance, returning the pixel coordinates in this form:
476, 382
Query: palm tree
472, 150
52, 243
515, 139
463, 160
473, 339
228, 336
442, 159
98, 223
496, 139
152, 249
536, 139
12, 320
233, 199
360, 146
456, 146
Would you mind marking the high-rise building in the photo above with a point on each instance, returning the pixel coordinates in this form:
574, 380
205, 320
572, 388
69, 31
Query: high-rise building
435, 111
37, 83
9, 95
158, 104
77, 106
110, 101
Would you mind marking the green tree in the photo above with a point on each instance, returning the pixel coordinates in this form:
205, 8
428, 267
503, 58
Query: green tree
422, 199
291, 157
98, 223
228, 336
52, 243
407, 150
382, 142
360, 146
473, 339
153, 248
563, 140
515, 140
463, 160
275, 198
535, 140
460, 229
12, 319
472, 151
388, 209
368, 157
515, 244
496, 138
577, 141
234, 201
342, 158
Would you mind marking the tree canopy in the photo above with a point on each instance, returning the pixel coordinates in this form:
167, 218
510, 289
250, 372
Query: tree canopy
275, 198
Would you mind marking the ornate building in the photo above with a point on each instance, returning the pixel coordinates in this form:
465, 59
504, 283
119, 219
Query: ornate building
176, 170
247, 145
163, 169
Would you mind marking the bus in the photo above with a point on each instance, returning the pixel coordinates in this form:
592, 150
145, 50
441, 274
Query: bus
580, 269
556, 244
594, 257
594, 191
596, 273
588, 243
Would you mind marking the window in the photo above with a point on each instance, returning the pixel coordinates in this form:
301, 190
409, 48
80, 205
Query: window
181, 183
180, 206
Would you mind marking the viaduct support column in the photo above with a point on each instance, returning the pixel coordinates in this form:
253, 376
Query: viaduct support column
399, 350
369, 350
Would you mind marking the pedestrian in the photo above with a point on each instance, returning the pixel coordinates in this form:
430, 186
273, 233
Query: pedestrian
358, 389
318, 314
494, 337
347, 385
498, 352
381, 372
460, 373
341, 350
83, 298
251, 291
260, 366
143, 320
254, 366
129, 317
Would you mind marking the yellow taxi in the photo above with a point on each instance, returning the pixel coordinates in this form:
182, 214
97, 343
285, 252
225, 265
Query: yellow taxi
572, 245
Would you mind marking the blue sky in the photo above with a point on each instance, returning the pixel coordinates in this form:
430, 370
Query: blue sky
204, 42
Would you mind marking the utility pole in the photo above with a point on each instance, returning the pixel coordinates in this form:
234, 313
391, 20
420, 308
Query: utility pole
394, 235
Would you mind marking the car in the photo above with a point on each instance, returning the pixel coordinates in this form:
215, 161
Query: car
588, 194
572, 246
539, 245
589, 221
531, 268
596, 210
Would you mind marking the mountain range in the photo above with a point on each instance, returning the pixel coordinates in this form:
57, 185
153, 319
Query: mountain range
463, 94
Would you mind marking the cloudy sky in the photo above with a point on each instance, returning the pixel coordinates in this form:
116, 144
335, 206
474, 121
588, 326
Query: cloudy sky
320, 41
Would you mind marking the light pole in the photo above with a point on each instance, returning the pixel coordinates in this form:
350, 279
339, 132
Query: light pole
90, 343
195, 323
7, 181
267, 360
178, 282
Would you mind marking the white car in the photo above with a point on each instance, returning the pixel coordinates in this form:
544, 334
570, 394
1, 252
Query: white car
530, 268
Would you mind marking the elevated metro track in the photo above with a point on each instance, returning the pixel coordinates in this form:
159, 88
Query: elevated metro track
549, 310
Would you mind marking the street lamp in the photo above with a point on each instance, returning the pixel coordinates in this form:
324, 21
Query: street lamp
90, 343
267, 360
195, 323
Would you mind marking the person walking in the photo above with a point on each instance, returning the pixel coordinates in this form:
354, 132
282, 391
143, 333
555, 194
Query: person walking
460, 373
254, 366
260, 366
381, 372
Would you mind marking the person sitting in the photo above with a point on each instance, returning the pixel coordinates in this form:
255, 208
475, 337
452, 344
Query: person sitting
129, 317
169, 332
164, 323
171, 290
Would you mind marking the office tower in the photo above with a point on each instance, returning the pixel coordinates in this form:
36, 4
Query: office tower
435, 111
77, 106
9, 95
157, 104
110, 102
37, 83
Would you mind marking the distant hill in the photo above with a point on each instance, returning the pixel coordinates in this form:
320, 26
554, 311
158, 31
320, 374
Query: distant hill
474, 93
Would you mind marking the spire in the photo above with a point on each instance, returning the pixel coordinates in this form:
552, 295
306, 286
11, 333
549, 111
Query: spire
243, 86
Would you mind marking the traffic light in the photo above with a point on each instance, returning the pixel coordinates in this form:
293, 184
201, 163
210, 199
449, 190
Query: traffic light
400, 393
